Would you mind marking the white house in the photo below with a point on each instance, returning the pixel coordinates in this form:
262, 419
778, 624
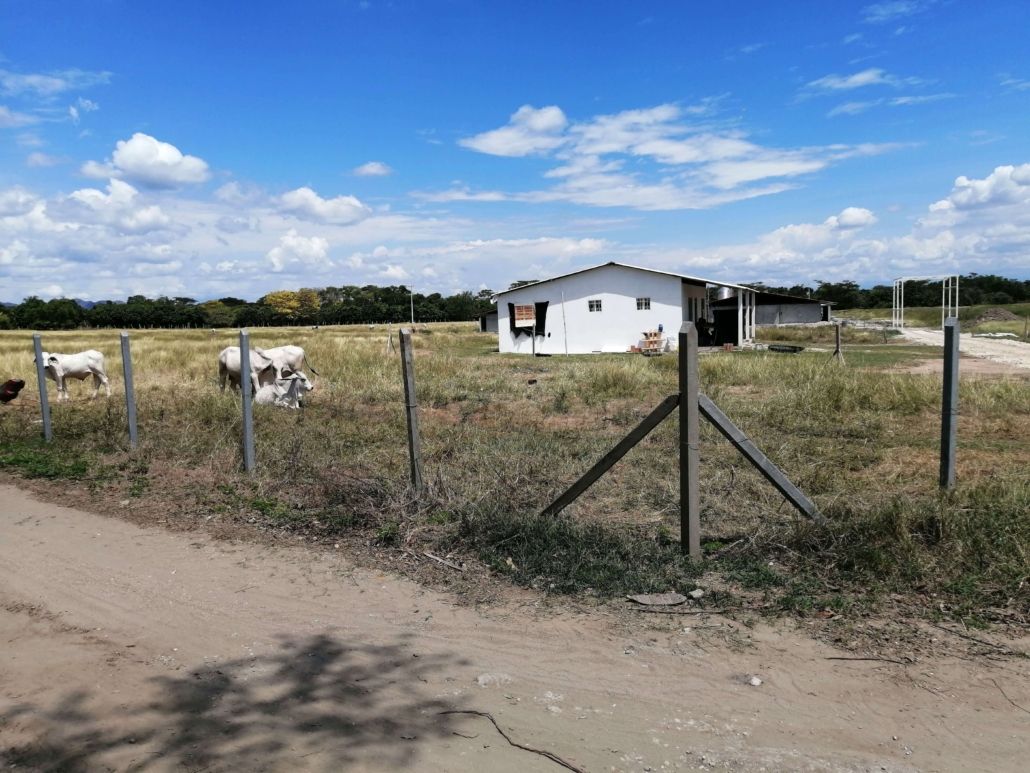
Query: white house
608, 308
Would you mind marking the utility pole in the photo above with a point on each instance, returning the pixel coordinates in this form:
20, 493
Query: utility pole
412, 295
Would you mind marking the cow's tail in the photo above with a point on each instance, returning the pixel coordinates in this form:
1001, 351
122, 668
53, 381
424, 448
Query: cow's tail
310, 366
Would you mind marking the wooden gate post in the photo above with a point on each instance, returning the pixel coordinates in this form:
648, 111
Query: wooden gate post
411, 410
690, 495
130, 392
949, 403
44, 402
248, 408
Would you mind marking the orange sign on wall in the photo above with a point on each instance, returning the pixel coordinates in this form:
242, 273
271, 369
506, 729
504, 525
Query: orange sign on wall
525, 315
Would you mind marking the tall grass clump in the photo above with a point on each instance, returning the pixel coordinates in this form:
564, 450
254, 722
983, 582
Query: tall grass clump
970, 548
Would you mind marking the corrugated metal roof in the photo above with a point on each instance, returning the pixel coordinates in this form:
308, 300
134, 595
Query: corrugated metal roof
716, 282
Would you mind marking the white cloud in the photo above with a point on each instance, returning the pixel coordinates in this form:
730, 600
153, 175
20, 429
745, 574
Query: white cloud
1013, 83
294, 248
394, 272
373, 169
16, 201
699, 165
144, 160
37, 159
239, 194
11, 119
855, 108
871, 76
50, 84
305, 204
892, 10
14, 252
920, 99
529, 131
121, 208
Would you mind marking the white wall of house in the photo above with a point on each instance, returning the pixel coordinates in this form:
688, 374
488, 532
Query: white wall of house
617, 326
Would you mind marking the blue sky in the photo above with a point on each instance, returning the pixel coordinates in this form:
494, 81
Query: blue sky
207, 149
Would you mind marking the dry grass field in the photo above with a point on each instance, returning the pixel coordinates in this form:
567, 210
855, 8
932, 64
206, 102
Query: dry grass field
502, 435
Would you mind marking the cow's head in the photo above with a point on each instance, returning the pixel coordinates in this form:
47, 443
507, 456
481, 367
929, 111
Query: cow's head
51, 363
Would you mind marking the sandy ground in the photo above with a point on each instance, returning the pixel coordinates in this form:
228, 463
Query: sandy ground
1007, 352
129, 648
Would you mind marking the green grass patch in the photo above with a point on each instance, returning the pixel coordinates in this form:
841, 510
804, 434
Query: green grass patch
42, 463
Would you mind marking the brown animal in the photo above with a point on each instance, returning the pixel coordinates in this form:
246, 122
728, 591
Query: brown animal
10, 389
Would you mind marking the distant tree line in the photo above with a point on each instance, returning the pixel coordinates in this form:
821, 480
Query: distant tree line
326, 306
974, 289
370, 304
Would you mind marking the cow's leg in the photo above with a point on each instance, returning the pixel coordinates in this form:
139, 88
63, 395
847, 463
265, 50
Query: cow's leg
223, 372
100, 379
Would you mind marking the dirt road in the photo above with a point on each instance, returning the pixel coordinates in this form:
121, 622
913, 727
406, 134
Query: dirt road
1015, 353
126, 648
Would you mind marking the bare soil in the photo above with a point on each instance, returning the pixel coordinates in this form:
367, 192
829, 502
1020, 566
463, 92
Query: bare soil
1006, 352
134, 648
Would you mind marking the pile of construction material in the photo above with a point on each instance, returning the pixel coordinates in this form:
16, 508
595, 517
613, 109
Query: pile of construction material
996, 315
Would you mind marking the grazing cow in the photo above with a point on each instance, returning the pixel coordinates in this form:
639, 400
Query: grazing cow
10, 389
291, 357
263, 369
60, 367
285, 392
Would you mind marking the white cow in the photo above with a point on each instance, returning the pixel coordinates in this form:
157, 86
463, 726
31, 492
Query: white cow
291, 357
60, 367
263, 369
285, 392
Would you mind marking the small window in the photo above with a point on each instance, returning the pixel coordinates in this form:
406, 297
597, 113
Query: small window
594, 305
643, 304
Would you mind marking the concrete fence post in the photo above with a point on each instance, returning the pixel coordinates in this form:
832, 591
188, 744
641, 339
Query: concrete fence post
411, 410
690, 495
130, 392
44, 402
245, 390
949, 403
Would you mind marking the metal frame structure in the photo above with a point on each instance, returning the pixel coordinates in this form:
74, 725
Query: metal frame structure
949, 297
747, 302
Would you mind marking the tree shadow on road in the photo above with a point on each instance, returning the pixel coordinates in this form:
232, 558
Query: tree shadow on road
316, 702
